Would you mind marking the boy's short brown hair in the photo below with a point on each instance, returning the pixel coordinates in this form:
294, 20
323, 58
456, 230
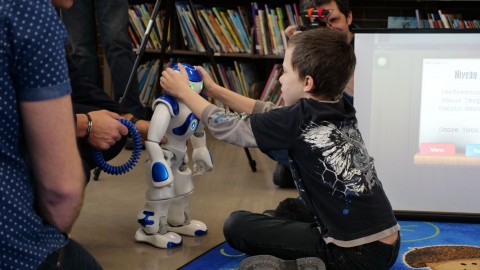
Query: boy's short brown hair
327, 57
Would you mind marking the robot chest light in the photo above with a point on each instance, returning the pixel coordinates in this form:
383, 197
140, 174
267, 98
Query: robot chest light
190, 123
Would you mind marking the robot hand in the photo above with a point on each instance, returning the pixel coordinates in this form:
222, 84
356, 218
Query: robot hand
202, 160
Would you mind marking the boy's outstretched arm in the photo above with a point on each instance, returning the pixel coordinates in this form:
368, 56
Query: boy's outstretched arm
233, 128
229, 98
177, 85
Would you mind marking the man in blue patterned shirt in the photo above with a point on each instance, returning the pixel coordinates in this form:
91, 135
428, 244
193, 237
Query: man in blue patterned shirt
41, 176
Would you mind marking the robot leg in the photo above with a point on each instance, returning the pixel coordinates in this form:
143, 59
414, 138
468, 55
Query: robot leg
179, 218
153, 220
153, 217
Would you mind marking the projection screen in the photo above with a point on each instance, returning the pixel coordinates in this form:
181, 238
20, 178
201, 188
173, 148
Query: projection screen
417, 96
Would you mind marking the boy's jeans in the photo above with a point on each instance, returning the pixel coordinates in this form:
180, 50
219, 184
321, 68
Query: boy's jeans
257, 234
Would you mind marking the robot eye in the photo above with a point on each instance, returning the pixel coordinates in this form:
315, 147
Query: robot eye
192, 86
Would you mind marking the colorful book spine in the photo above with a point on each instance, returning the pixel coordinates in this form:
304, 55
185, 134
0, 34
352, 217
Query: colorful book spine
225, 30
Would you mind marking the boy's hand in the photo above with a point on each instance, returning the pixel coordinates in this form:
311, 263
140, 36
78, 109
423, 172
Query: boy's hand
176, 84
208, 82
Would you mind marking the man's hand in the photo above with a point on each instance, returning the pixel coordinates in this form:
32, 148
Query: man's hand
106, 129
291, 30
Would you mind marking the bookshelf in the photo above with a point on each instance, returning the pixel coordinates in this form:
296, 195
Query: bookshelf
223, 37
232, 34
375, 13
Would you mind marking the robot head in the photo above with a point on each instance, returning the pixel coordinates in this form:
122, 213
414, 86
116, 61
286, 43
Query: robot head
194, 76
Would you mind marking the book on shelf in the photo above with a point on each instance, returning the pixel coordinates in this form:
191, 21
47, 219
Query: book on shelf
135, 42
221, 13
193, 29
250, 76
281, 24
242, 32
444, 19
298, 19
224, 29
401, 22
189, 28
148, 75
139, 19
231, 80
419, 20
236, 81
212, 39
290, 15
137, 27
270, 83
264, 32
148, 80
223, 76
245, 16
239, 74
276, 92
144, 14
216, 30
270, 31
276, 35
436, 21
258, 37
143, 72
234, 29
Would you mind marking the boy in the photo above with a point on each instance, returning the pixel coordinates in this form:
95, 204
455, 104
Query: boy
355, 226
340, 19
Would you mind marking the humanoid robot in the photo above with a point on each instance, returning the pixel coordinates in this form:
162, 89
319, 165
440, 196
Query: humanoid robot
166, 215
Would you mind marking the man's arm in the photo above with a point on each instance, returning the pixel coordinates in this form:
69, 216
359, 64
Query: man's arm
85, 92
141, 125
56, 163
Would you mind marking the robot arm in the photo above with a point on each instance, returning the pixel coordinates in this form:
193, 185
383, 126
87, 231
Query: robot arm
202, 159
160, 166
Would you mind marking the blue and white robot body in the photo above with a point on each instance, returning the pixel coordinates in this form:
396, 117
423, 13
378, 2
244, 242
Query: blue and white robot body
184, 123
169, 180
182, 127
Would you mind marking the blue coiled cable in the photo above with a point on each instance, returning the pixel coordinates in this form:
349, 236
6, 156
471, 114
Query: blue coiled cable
137, 150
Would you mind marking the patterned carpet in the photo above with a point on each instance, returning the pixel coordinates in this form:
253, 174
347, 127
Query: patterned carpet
425, 245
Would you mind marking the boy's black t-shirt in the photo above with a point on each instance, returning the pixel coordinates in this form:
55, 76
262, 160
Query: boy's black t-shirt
333, 171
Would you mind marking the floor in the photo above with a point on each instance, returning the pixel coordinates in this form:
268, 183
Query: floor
107, 223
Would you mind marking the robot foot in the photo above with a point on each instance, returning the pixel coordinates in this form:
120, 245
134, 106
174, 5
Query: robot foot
195, 228
168, 240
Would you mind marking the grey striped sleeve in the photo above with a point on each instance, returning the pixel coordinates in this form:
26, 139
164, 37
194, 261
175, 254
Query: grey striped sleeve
230, 127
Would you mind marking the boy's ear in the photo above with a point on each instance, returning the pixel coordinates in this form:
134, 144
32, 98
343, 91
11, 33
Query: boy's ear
308, 84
